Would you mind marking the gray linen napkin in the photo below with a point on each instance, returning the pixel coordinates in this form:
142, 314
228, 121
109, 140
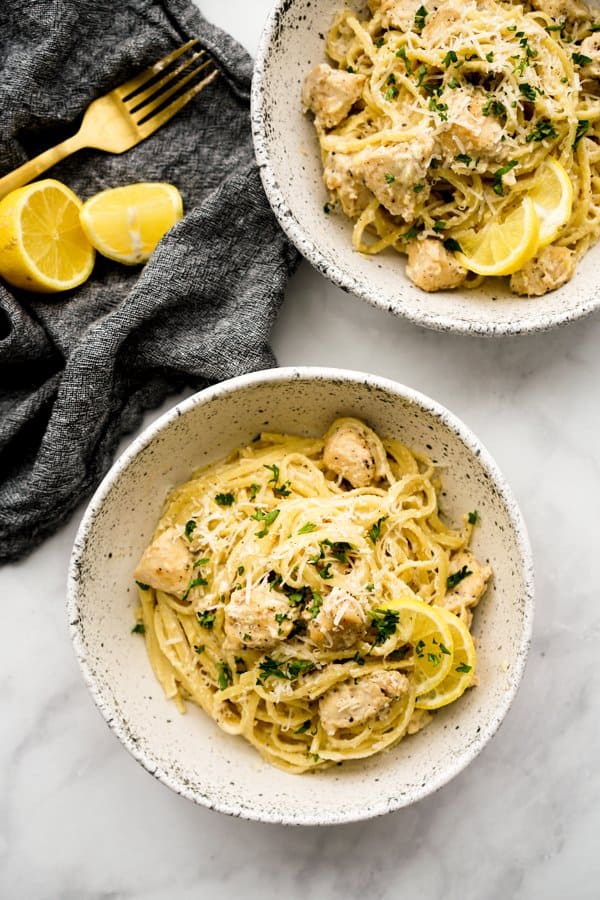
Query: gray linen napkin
77, 370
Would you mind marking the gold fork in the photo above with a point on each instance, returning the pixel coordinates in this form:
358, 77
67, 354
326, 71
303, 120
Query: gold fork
128, 114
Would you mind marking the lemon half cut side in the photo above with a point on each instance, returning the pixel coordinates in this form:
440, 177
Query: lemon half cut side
42, 245
502, 247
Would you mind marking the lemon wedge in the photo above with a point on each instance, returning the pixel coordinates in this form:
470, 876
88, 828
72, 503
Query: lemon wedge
502, 247
42, 245
462, 668
422, 626
126, 223
552, 195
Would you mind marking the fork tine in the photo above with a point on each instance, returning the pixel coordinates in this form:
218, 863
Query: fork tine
124, 91
156, 121
141, 98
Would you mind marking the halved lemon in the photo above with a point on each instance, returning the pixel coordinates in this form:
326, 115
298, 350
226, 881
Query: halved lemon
42, 245
502, 247
552, 195
461, 670
126, 223
427, 631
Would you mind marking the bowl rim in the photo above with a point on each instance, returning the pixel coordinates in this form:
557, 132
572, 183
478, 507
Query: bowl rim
110, 711
308, 247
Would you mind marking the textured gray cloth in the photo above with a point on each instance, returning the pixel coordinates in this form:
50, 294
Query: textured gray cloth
77, 370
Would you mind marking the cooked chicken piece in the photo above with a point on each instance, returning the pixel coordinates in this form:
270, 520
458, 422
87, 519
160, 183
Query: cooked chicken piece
562, 9
355, 452
440, 21
399, 13
590, 47
355, 702
260, 622
550, 269
337, 48
340, 178
341, 621
471, 588
393, 172
469, 131
433, 268
331, 93
167, 564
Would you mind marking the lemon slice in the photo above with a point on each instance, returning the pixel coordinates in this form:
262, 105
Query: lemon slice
461, 671
427, 631
552, 195
501, 248
126, 223
42, 245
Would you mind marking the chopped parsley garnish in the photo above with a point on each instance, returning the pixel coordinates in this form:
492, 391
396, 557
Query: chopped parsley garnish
528, 91
490, 57
580, 60
544, 129
444, 649
358, 659
194, 582
370, 587
450, 58
389, 178
224, 499
392, 92
138, 628
452, 245
454, 83
420, 646
241, 570
267, 518
421, 73
206, 618
401, 54
350, 69
201, 562
199, 648
385, 622
379, 43
280, 490
463, 158
327, 208
225, 677
411, 233
440, 108
582, 129
498, 186
493, 107
556, 27
374, 531
439, 225
595, 26
142, 586
457, 577
463, 668
253, 490
433, 659
306, 529
420, 17
317, 602
303, 728
418, 188
399, 654
280, 619
190, 527
472, 517
287, 670
325, 571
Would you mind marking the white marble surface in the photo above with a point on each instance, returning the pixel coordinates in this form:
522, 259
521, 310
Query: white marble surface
80, 820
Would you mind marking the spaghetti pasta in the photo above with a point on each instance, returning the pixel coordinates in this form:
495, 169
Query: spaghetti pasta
438, 118
269, 594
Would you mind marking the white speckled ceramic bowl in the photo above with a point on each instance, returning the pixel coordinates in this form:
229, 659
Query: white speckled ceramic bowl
189, 753
288, 155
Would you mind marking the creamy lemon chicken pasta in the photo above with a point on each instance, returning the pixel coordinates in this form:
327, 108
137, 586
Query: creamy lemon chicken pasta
307, 595
466, 134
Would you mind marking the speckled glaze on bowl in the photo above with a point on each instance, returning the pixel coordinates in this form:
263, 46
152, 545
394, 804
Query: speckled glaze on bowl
288, 155
189, 753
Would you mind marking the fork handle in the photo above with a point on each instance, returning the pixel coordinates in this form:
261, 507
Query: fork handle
34, 167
